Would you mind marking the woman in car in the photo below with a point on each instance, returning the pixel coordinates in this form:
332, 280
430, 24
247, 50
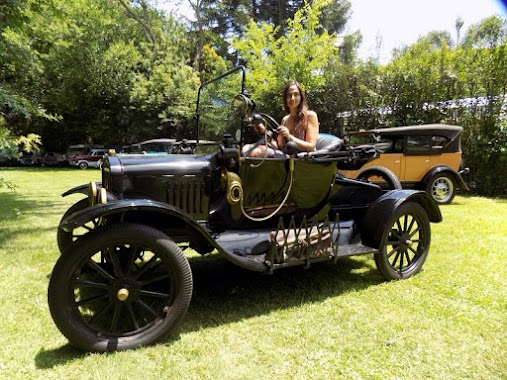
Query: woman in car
300, 125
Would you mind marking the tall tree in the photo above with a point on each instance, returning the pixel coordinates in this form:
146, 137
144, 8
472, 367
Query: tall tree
229, 18
93, 63
302, 54
19, 65
459, 24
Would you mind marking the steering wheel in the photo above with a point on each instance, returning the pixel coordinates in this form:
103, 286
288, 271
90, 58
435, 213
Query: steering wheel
271, 125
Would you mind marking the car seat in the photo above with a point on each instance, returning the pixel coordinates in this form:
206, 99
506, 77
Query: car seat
328, 143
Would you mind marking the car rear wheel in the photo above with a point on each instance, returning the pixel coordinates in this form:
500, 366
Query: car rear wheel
119, 288
382, 176
405, 242
442, 188
83, 165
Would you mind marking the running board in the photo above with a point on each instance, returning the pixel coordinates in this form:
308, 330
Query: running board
355, 249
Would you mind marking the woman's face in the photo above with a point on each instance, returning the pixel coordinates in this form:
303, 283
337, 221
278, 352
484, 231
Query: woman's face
293, 97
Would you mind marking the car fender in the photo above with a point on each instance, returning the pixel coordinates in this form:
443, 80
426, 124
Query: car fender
170, 213
81, 189
443, 169
385, 205
85, 190
125, 206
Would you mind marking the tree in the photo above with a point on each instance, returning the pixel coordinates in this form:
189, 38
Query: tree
302, 54
18, 66
86, 62
483, 61
15, 101
459, 24
142, 17
432, 82
216, 22
9, 147
488, 33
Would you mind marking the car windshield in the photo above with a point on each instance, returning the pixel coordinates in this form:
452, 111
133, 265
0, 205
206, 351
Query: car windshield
215, 112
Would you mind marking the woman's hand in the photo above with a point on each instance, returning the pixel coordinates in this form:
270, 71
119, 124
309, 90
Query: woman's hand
259, 128
284, 132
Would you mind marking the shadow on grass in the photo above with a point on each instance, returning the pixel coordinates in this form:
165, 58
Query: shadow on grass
16, 209
224, 293
59, 356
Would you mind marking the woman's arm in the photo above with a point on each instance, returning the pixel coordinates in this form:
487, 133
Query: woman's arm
282, 131
311, 134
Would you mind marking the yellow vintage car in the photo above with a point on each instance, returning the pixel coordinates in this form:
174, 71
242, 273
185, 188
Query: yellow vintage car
424, 157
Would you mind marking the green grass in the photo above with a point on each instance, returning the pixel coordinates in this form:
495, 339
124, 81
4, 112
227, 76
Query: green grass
328, 322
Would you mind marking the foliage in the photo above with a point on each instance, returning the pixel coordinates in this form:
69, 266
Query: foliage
231, 17
18, 66
301, 54
216, 114
15, 105
9, 148
89, 60
118, 71
432, 82
167, 95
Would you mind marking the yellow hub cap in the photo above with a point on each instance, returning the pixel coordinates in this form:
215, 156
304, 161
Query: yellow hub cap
122, 294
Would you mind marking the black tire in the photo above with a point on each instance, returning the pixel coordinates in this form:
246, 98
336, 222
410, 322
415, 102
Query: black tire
119, 288
64, 238
389, 179
405, 242
83, 165
442, 188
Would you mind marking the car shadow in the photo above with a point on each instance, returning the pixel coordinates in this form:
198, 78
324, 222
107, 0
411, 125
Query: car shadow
224, 293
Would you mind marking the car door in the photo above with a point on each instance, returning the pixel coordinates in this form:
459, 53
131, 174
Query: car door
416, 158
266, 183
391, 158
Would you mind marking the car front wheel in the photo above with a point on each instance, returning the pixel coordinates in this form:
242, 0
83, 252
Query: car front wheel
83, 165
442, 188
405, 242
120, 288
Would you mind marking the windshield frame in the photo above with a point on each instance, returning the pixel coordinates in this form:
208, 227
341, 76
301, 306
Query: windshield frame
221, 76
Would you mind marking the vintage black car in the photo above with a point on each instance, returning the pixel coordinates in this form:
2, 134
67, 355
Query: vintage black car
122, 279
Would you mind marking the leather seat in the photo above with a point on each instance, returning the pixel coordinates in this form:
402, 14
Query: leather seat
328, 143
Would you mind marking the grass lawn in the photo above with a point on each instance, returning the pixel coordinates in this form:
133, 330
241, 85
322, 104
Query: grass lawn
331, 321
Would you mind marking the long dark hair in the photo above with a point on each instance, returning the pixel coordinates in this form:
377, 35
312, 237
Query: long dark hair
302, 107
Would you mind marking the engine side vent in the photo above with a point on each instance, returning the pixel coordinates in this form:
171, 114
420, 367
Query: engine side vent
188, 194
